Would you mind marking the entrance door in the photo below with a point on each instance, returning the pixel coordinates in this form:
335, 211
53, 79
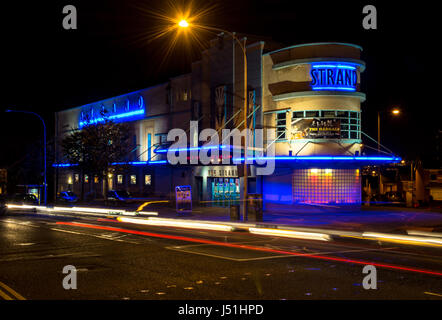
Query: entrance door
225, 191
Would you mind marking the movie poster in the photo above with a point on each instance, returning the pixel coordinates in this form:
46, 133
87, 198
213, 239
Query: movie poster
316, 129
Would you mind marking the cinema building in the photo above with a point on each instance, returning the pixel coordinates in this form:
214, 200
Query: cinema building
308, 94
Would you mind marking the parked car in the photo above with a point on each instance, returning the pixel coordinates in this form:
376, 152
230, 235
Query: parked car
3, 208
24, 198
119, 196
67, 196
392, 196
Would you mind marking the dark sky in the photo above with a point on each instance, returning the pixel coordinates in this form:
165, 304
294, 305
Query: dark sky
46, 68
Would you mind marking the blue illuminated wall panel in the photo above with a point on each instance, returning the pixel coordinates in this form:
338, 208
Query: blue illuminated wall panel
277, 188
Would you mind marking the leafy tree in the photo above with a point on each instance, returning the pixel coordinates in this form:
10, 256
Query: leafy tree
95, 147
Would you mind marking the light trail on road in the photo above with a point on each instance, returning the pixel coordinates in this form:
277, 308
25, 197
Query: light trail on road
247, 247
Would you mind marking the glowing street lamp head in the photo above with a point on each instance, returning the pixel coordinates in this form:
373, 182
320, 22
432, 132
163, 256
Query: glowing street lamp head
396, 111
183, 24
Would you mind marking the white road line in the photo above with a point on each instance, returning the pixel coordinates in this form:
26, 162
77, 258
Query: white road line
25, 224
50, 256
206, 244
93, 235
204, 254
182, 249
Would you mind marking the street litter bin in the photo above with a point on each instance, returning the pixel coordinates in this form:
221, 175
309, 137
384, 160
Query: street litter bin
234, 212
254, 207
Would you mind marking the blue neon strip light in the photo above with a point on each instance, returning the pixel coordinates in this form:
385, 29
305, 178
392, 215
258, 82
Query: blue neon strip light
285, 158
112, 117
322, 158
64, 165
132, 163
333, 66
192, 148
335, 88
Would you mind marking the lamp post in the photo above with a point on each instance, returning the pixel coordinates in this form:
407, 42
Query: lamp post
44, 146
394, 112
185, 24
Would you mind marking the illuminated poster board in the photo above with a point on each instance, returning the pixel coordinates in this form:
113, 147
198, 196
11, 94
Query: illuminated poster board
183, 198
316, 129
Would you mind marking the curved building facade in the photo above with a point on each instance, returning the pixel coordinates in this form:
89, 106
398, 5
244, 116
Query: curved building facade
308, 95
312, 97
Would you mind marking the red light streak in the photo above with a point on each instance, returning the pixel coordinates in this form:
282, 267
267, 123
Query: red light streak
247, 247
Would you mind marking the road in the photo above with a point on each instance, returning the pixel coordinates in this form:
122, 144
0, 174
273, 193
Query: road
123, 261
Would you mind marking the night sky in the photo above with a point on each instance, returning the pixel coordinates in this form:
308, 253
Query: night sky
46, 68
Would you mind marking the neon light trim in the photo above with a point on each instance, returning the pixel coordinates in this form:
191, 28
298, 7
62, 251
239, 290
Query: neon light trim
322, 158
333, 76
112, 117
192, 148
335, 88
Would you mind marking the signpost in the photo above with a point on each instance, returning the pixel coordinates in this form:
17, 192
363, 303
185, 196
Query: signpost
183, 198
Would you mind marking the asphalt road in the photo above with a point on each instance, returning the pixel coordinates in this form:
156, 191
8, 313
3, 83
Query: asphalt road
116, 260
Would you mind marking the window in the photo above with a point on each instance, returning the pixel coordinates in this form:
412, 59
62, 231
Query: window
312, 114
281, 125
96, 179
76, 177
147, 179
350, 120
69, 179
328, 114
133, 179
86, 178
298, 114
120, 179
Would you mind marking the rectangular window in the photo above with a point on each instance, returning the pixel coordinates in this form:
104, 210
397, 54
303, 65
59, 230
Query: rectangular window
86, 178
96, 180
312, 114
133, 179
343, 114
120, 179
328, 114
77, 177
281, 125
298, 114
147, 179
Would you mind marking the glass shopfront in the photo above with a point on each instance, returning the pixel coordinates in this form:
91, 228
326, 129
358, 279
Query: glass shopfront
225, 191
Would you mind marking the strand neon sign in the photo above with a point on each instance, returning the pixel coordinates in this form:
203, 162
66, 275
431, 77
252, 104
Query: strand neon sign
333, 76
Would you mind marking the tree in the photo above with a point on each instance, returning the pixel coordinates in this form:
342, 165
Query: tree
95, 147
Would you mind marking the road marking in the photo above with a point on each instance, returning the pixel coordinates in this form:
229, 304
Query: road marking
52, 256
21, 223
433, 294
93, 235
12, 291
5, 296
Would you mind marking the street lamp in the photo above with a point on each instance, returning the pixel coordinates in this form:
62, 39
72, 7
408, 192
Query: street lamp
184, 24
44, 146
395, 112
